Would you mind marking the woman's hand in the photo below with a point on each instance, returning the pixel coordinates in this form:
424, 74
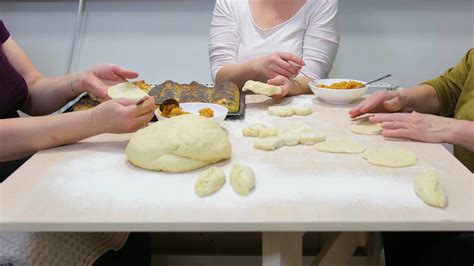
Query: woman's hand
98, 79
285, 84
279, 63
122, 115
380, 102
416, 126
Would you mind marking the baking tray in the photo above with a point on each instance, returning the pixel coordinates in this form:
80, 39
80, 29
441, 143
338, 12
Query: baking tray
230, 116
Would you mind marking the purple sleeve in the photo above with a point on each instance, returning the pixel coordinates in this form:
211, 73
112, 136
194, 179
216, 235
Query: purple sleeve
4, 34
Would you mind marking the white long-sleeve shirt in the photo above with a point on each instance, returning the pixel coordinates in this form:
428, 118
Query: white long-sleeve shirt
312, 33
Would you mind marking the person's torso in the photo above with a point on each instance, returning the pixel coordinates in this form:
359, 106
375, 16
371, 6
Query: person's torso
287, 36
465, 111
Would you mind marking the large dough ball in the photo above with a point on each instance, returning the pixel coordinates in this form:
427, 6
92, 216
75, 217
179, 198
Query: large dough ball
182, 143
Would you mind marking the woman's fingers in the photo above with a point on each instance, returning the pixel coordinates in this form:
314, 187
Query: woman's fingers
399, 117
293, 69
281, 71
123, 72
394, 125
96, 86
400, 133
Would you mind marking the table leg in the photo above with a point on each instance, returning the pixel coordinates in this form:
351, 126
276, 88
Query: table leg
282, 248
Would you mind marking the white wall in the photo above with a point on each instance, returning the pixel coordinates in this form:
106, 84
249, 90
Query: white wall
165, 39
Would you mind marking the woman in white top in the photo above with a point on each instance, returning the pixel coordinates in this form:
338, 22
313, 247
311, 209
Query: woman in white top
273, 41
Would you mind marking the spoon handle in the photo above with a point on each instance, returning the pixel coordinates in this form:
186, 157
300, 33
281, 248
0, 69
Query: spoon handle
384, 77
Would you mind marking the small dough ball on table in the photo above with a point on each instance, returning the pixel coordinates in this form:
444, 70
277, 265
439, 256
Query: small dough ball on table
209, 182
281, 111
428, 188
268, 132
365, 127
268, 144
302, 129
339, 146
390, 157
126, 90
261, 88
302, 110
179, 144
253, 130
311, 138
242, 179
290, 138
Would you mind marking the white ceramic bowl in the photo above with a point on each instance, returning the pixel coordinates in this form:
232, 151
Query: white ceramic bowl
220, 112
336, 96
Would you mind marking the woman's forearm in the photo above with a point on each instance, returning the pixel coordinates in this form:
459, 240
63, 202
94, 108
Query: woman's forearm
461, 134
239, 73
299, 86
422, 98
47, 95
21, 137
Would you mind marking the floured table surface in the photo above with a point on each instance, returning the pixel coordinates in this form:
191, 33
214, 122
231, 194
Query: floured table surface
90, 186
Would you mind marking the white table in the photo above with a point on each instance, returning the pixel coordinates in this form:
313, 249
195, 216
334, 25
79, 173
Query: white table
90, 186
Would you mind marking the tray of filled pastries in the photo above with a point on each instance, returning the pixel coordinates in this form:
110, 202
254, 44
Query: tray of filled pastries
225, 93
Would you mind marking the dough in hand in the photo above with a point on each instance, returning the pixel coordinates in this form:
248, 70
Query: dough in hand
311, 138
242, 179
365, 127
290, 138
179, 144
268, 132
280, 111
428, 188
390, 157
209, 182
268, 144
253, 130
302, 110
339, 146
261, 88
126, 90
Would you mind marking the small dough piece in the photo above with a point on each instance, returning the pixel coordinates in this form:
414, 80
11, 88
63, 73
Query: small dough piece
209, 182
268, 132
302, 110
428, 188
268, 144
253, 130
261, 88
290, 138
281, 111
390, 157
311, 138
302, 129
365, 127
242, 179
126, 90
339, 146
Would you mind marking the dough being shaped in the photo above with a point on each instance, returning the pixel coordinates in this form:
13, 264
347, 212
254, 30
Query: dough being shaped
311, 138
268, 144
365, 127
290, 138
428, 188
261, 88
281, 111
242, 179
268, 132
209, 182
339, 146
179, 144
390, 157
302, 110
126, 90
253, 130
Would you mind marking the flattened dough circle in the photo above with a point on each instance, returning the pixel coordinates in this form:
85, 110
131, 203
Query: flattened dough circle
126, 90
365, 127
339, 146
390, 157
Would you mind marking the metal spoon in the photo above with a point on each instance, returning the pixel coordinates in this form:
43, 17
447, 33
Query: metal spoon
384, 77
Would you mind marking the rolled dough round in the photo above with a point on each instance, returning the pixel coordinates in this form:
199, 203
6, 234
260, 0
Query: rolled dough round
126, 90
339, 146
365, 127
390, 157
179, 144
